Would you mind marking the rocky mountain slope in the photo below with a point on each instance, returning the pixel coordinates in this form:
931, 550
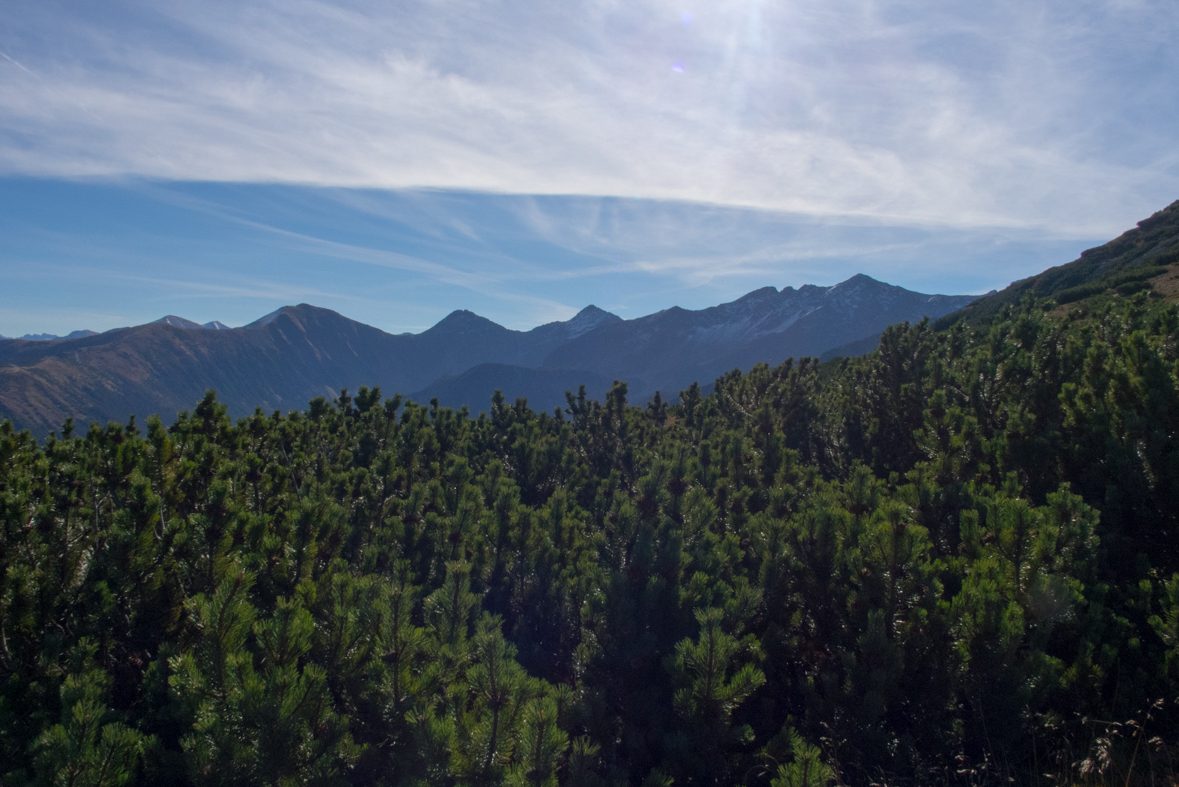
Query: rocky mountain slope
669, 350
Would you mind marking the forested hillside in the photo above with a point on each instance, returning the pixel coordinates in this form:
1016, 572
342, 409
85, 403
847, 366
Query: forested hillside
1136, 261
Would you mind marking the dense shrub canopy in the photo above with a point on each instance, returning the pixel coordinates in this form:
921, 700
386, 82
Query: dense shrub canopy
942, 562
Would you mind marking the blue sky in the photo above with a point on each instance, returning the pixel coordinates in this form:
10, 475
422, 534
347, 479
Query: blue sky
395, 161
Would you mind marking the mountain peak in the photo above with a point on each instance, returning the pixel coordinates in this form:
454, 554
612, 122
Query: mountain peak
760, 295
180, 322
462, 321
302, 315
269, 318
589, 318
860, 280
215, 325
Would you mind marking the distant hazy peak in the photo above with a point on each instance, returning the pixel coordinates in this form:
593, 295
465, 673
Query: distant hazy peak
302, 316
216, 325
461, 321
758, 295
858, 280
864, 278
864, 282
592, 311
180, 322
589, 318
50, 337
269, 318
864, 286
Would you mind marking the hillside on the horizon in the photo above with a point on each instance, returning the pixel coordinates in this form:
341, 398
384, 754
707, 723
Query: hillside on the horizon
1140, 259
294, 354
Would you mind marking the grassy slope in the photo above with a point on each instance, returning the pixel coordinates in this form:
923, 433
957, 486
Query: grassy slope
1147, 253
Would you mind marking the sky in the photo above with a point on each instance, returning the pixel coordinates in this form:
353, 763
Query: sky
395, 161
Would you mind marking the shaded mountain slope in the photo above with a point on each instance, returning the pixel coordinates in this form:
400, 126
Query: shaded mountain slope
853, 349
277, 362
160, 368
543, 388
672, 348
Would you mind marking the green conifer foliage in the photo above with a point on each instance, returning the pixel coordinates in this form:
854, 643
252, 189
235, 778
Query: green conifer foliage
249, 725
542, 745
949, 561
82, 750
806, 768
489, 724
1166, 625
711, 686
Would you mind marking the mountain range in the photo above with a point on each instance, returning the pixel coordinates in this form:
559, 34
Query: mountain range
299, 352
49, 337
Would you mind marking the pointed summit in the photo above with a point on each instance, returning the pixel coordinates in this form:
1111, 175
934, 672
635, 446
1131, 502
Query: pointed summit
859, 282
274, 315
589, 318
462, 321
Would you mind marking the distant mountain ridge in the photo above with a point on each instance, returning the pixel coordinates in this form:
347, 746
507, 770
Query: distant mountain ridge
295, 353
189, 325
49, 337
670, 349
169, 319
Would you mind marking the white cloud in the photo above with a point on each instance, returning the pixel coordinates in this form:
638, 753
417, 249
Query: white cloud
962, 114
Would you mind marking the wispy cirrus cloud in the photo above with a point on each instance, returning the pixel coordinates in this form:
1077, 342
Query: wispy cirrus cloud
401, 260
1056, 115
